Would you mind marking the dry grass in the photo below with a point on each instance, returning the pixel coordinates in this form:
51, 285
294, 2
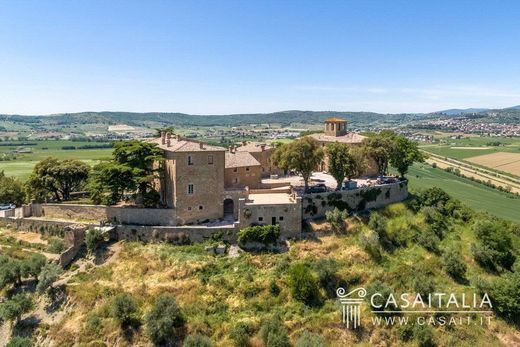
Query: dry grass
503, 161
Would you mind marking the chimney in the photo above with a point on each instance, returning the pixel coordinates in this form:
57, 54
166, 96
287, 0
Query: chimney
262, 146
201, 145
168, 136
244, 143
163, 137
168, 142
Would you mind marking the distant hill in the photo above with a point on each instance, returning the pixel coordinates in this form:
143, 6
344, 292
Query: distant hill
154, 119
457, 111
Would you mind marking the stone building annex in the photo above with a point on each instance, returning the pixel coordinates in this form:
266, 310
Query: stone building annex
207, 189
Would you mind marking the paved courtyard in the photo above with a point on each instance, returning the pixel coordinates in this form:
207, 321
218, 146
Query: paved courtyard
317, 177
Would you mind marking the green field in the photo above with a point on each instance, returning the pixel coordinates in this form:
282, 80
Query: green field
474, 194
22, 166
475, 146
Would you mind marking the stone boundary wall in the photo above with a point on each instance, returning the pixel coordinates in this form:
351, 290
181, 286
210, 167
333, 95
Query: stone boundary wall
175, 234
7, 213
97, 213
317, 204
92, 213
74, 239
142, 216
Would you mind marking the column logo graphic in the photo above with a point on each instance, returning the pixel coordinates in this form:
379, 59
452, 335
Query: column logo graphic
351, 305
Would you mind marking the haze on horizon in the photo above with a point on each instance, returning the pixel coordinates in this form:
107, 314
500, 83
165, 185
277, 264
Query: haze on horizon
226, 57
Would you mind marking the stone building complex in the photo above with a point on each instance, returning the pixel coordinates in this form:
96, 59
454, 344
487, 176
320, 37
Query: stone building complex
208, 189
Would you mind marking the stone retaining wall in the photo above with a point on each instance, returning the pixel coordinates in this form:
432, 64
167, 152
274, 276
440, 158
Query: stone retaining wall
175, 234
317, 204
97, 213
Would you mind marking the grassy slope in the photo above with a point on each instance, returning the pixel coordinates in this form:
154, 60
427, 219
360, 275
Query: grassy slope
218, 292
476, 195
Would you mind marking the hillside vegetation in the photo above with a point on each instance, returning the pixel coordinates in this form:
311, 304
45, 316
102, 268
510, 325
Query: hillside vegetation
432, 244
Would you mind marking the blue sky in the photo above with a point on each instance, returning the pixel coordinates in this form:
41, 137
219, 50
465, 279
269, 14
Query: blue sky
218, 57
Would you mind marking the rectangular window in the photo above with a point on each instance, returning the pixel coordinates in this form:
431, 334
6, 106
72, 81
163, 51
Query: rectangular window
247, 169
235, 170
190, 188
280, 218
210, 159
190, 160
260, 219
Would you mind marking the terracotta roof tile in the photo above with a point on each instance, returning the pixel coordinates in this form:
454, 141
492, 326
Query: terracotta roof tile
240, 159
348, 138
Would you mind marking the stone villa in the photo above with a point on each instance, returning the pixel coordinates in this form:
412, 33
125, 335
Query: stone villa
204, 182
207, 189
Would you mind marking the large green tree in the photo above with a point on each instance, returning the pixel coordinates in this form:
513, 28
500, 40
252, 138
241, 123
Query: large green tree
338, 158
131, 171
303, 156
344, 161
13, 309
57, 178
11, 190
404, 153
379, 147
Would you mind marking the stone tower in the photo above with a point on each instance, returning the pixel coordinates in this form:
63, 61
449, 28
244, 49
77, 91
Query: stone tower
335, 127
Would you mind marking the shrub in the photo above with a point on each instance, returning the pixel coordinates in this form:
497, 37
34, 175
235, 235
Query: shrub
274, 289
308, 339
504, 293
434, 197
197, 340
93, 239
56, 246
327, 268
493, 245
265, 234
165, 321
336, 219
428, 239
48, 275
453, 264
379, 301
240, 334
18, 341
369, 241
303, 285
423, 285
424, 335
124, 309
435, 221
274, 333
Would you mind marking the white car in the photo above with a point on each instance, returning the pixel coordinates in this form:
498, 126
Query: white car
7, 206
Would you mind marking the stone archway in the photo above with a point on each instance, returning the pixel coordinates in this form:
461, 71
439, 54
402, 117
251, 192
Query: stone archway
229, 209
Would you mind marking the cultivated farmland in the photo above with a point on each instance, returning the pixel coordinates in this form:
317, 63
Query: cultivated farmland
502, 161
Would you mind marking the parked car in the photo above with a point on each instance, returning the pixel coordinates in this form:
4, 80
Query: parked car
318, 188
7, 206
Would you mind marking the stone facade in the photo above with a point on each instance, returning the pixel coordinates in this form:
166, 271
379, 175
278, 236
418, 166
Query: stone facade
262, 153
287, 215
